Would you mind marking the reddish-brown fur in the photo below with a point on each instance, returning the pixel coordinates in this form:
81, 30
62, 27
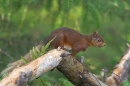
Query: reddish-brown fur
72, 39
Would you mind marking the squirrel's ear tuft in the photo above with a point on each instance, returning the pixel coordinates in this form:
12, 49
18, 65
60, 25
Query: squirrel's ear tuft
96, 31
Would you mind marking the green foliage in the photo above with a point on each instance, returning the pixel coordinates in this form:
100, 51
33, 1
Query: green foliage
24, 60
64, 82
41, 82
44, 82
46, 46
35, 52
126, 83
21, 19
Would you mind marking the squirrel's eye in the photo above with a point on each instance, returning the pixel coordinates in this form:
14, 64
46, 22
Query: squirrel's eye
99, 40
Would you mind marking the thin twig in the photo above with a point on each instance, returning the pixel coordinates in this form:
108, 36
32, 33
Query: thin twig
6, 54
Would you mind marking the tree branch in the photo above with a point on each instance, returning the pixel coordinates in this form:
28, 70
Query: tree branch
78, 74
121, 71
18, 63
6, 54
74, 70
22, 75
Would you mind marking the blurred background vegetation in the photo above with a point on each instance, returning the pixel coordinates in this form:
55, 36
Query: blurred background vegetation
25, 23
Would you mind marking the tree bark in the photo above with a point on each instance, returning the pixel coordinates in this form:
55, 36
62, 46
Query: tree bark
18, 63
121, 71
74, 70
20, 76
78, 74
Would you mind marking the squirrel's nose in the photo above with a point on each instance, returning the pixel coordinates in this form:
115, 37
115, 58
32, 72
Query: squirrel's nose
103, 44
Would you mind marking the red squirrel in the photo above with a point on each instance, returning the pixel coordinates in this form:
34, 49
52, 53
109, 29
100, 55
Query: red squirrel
70, 39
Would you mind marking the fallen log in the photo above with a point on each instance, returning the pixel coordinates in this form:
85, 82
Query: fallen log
74, 70
20, 76
18, 63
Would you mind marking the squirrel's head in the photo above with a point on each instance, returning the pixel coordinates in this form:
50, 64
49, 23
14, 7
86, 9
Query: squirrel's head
96, 40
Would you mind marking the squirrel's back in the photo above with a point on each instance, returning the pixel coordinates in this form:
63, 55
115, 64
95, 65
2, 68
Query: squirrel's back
65, 35
71, 39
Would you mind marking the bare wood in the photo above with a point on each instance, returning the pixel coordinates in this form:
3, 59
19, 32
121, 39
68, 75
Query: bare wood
21, 75
90, 79
72, 69
78, 74
18, 63
121, 71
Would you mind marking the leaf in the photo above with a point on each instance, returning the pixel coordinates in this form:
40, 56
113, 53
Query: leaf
64, 82
35, 53
126, 83
43, 50
42, 82
32, 55
48, 44
38, 51
24, 60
